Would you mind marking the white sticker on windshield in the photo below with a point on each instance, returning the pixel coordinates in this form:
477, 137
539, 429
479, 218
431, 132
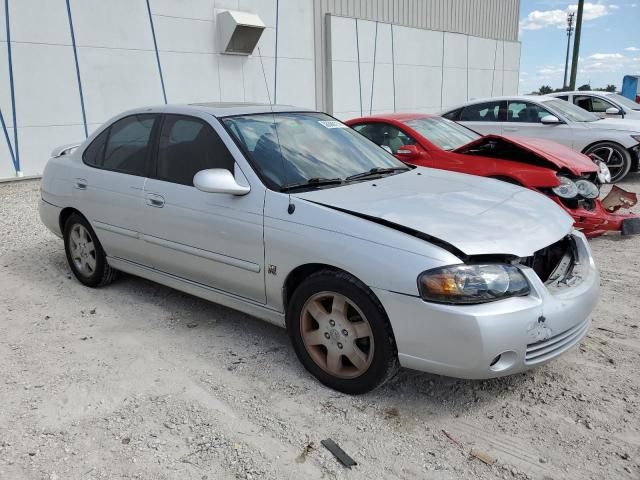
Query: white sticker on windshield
332, 124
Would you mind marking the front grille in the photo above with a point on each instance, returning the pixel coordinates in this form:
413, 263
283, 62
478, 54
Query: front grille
555, 262
546, 349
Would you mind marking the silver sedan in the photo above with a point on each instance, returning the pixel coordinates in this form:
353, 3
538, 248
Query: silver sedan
290, 216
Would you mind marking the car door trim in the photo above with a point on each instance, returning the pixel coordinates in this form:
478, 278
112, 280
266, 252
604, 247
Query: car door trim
198, 252
113, 229
221, 297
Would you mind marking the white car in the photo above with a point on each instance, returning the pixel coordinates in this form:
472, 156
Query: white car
616, 142
293, 217
603, 104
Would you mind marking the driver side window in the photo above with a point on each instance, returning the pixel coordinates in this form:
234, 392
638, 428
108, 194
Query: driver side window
385, 135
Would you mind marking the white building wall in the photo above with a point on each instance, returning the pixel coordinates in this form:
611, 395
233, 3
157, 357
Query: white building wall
382, 68
415, 70
119, 70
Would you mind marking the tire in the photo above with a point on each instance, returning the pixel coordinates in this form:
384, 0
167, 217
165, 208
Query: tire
85, 255
332, 314
617, 158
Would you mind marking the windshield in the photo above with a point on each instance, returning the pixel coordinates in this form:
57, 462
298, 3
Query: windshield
570, 111
624, 101
305, 146
443, 133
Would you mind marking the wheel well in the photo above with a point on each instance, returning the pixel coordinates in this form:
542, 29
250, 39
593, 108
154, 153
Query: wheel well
297, 276
64, 216
603, 141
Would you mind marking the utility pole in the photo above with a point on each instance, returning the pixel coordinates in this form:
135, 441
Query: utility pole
576, 46
566, 61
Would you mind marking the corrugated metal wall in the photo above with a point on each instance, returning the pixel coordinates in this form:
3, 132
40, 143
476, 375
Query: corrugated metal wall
497, 19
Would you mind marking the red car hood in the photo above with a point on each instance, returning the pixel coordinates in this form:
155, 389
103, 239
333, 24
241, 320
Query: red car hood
559, 155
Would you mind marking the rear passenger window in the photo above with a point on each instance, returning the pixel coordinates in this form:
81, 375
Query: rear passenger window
454, 115
481, 112
94, 154
187, 146
128, 145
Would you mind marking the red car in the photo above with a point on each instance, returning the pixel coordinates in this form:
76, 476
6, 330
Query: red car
570, 178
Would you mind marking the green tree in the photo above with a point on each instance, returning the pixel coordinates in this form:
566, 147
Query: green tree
584, 87
545, 89
610, 88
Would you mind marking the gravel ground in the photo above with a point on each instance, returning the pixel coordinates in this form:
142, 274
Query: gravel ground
139, 381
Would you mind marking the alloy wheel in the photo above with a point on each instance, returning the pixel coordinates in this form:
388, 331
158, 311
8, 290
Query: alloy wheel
337, 335
82, 250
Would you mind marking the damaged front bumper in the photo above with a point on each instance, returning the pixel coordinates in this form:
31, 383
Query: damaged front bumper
603, 215
498, 338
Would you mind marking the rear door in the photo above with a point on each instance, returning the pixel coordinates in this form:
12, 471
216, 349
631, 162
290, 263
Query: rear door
214, 239
524, 119
486, 118
108, 189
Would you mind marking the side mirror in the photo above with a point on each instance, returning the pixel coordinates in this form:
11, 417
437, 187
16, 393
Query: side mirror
550, 120
408, 151
612, 111
218, 180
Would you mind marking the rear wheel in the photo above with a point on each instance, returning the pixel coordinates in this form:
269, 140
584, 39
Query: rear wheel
617, 158
341, 333
85, 255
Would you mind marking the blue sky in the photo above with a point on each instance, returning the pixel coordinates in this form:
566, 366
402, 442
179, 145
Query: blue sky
610, 46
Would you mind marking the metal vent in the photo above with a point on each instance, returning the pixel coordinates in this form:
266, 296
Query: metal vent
239, 32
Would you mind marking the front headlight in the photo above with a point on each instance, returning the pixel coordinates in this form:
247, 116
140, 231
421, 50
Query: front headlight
604, 174
566, 189
587, 189
636, 138
471, 284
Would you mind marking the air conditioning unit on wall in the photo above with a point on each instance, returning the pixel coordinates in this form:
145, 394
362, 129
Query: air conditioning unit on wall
239, 32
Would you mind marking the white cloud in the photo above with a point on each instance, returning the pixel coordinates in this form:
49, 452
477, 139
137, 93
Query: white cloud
539, 19
605, 56
632, 49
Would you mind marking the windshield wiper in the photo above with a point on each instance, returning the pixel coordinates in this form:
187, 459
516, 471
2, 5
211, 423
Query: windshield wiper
311, 183
375, 172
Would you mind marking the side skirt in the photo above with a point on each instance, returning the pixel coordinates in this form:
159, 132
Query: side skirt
193, 288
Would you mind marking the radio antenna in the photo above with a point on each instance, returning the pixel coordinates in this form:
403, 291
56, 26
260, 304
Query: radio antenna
291, 208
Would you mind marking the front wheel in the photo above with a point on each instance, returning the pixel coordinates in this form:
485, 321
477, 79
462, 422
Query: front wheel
615, 156
341, 333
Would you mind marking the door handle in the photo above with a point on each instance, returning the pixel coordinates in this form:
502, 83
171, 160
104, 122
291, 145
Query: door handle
155, 200
80, 184
510, 129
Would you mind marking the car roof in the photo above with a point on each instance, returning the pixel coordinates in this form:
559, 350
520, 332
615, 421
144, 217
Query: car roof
220, 109
580, 92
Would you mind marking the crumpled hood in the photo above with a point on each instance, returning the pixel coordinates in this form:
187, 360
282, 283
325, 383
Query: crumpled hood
476, 215
555, 153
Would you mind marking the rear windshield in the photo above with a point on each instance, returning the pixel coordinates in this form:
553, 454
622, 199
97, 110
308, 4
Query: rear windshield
443, 133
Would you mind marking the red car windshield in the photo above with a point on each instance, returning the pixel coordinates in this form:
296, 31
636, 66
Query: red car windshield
443, 133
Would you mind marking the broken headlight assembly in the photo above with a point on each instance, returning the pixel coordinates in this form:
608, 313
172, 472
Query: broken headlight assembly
566, 189
472, 284
587, 189
569, 189
604, 175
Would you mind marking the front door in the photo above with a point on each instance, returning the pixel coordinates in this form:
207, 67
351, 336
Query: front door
524, 119
213, 239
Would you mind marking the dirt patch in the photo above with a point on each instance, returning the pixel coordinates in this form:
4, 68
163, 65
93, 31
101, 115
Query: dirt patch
140, 381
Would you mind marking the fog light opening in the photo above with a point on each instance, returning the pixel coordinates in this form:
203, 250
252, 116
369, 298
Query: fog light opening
503, 361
